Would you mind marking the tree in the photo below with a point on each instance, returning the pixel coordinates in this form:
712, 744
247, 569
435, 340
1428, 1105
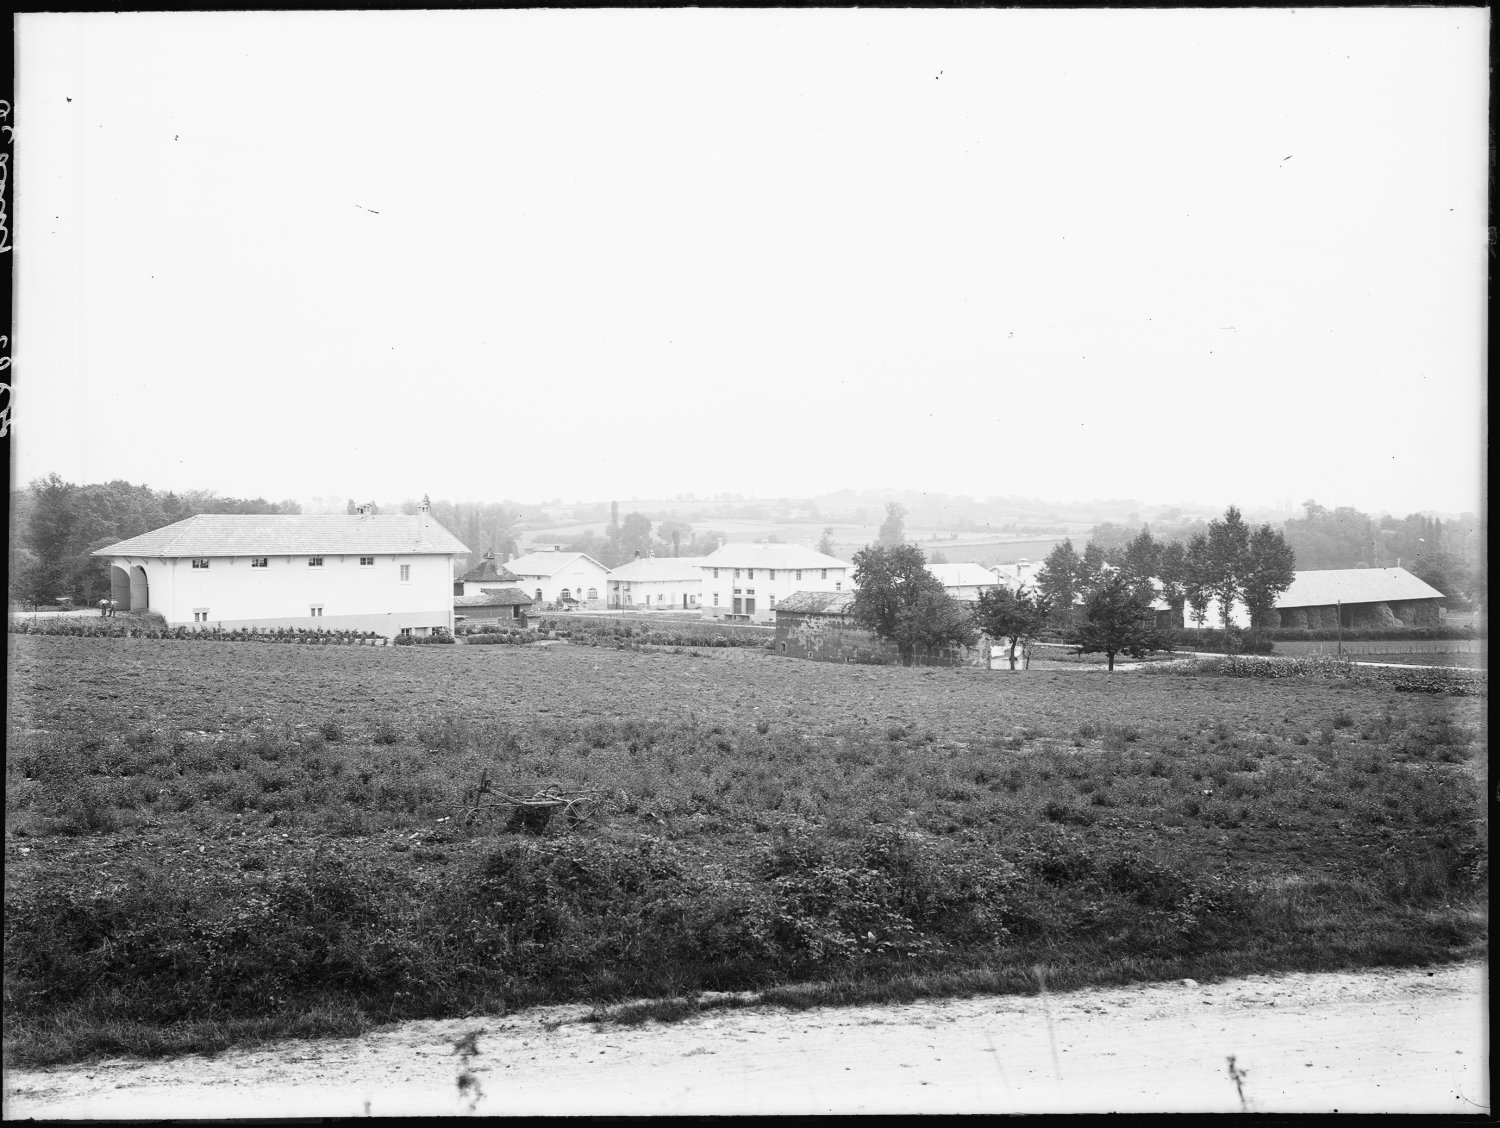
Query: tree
1015, 615
1227, 562
1269, 570
1196, 579
635, 537
1091, 570
1118, 620
893, 529
939, 557
1171, 570
900, 601
674, 533
1140, 562
53, 523
1059, 580
825, 545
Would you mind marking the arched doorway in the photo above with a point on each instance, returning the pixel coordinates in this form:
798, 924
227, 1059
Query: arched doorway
140, 589
119, 585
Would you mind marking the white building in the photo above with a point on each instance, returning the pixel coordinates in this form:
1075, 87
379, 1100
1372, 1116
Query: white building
746, 581
659, 583
1021, 573
964, 581
550, 575
365, 572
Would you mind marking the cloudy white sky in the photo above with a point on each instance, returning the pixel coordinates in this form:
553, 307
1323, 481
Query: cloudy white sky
1209, 255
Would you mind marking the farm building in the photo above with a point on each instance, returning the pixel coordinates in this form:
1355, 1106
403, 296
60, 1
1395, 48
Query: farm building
505, 604
817, 625
487, 574
367, 572
1353, 598
1014, 576
657, 583
746, 581
964, 581
550, 575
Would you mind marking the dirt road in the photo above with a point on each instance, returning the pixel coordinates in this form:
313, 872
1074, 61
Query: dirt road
1384, 1041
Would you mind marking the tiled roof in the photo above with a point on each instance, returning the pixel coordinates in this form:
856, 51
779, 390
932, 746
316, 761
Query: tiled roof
746, 555
963, 575
1327, 586
659, 568
281, 534
489, 572
817, 602
493, 597
547, 563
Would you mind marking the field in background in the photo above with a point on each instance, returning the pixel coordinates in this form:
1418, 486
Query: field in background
210, 845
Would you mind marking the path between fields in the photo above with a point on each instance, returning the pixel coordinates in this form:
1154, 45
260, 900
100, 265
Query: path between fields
1378, 1041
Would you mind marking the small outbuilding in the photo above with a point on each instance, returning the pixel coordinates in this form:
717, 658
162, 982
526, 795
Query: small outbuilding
508, 604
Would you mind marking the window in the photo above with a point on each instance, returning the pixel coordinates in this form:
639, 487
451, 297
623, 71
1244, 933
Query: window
716, 573
825, 573
838, 585
749, 591
716, 599
314, 561
200, 615
406, 630
738, 591
749, 573
366, 561
258, 561
773, 599
773, 573
316, 612
799, 573
200, 562
593, 593
406, 573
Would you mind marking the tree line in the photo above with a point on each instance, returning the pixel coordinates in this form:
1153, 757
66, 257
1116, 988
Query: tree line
1102, 599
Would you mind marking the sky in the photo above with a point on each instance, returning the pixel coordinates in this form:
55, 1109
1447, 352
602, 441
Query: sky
1176, 255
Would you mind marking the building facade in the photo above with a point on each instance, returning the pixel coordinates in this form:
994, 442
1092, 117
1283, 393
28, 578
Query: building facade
364, 572
745, 582
670, 583
1351, 598
550, 575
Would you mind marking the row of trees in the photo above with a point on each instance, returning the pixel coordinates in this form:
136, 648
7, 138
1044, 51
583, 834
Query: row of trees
1227, 562
899, 600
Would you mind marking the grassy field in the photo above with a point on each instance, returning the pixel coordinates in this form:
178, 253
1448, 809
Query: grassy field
210, 845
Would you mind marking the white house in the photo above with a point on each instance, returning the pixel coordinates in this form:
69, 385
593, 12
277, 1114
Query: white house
659, 583
392, 574
550, 575
486, 575
746, 581
1018, 574
964, 581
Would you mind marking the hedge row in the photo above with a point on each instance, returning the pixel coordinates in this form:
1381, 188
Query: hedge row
131, 628
1408, 679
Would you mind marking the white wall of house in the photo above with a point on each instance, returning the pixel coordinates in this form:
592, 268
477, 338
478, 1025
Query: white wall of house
580, 578
341, 593
766, 586
660, 595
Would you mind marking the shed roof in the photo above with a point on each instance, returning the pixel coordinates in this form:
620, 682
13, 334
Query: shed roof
493, 597
747, 555
659, 568
288, 534
817, 603
489, 572
963, 575
548, 563
1326, 586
